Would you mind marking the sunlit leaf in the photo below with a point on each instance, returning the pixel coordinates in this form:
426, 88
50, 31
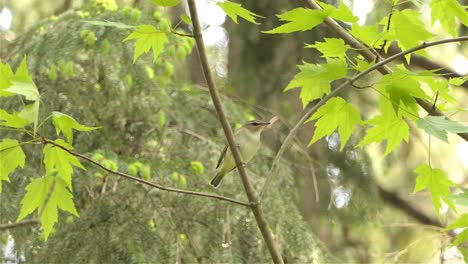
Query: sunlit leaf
61, 160
446, 11
331, 47
299, 19
388, 127
315, 79
47, 195
65, 123
234, 10
336, 114
12, 120
147, 37
436, 182
342, 13
11, 157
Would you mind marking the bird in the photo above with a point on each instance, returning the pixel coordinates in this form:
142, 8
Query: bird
247, 139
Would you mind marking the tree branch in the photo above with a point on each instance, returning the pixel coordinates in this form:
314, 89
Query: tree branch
4, 227
152, 184
256, 206
376, 66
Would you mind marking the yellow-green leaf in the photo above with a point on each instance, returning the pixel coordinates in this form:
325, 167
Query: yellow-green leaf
234, 10
11, 157
446, 11
61, 160
147, 37
166, 2
65, 123
299, 19
436, 182
336, 114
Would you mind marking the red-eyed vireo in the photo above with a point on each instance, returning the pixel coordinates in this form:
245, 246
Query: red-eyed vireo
248, 141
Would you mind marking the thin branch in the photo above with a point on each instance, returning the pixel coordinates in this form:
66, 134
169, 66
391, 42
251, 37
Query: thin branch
256, 206
4, 227
376, 66
152, 184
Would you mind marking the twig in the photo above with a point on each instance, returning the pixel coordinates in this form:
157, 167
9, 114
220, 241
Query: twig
19, 224
256, 206
376, 66
152, 184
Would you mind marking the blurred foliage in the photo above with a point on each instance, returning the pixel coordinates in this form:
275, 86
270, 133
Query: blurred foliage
152, 121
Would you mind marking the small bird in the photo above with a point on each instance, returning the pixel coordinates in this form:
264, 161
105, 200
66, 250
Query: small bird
248, 141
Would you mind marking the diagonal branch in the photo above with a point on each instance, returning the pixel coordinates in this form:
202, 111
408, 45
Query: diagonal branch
256, 206
377, 66
19, 224
152, 184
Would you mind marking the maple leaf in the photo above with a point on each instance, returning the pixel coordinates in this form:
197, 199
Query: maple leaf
408, 30
436, 182
11, 157
389, 126
438, 126
147, 37
47, 195
331, 47
234, 10
402, 88
333, 115
299, 19
461, 222
62, 161
65, 123
315, 79
342, 13
12, 120
446, 11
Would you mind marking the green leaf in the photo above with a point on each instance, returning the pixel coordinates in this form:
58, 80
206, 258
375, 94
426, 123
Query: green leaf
408, 30
402, 88
161, 119
436, 182
389, 126
460, 222
11, 157
438, 126
65, 123
234, 10
342, 13
460, 199
61, 160
186, 19
166, 2
107, 23
332, 47
369, 35
299, 19
333, 115
47, 195
446, 11
315, 79
147, 37
458, 80
5, 76
12, 120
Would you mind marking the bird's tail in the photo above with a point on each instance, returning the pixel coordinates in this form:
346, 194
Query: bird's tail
217, 179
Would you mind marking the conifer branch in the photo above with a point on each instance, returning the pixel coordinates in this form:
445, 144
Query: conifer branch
249, 190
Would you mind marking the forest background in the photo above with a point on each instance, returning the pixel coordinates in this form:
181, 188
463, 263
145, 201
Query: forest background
110, 131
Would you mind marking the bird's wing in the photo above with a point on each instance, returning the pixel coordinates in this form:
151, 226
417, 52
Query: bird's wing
221, 157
